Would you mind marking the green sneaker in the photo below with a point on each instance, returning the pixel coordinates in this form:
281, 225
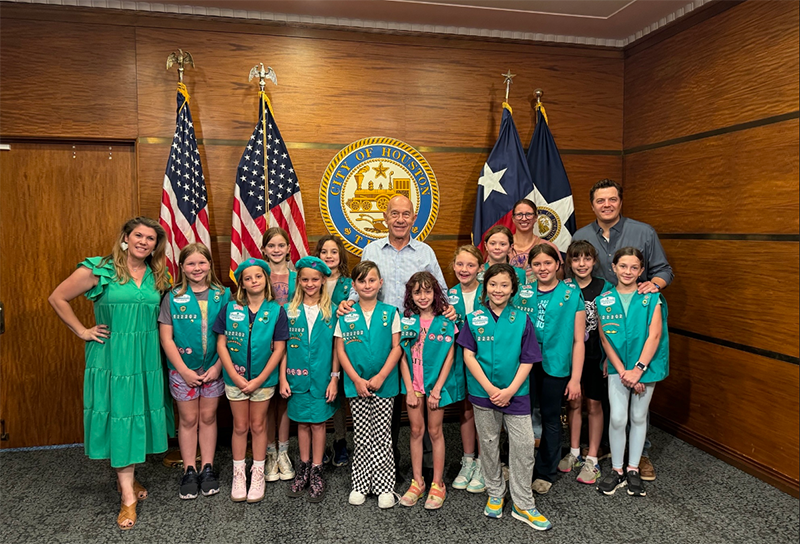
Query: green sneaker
531, 517
494, 508
477, 484
465, 474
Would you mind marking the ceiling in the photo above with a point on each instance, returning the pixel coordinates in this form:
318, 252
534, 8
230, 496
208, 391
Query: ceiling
614, 23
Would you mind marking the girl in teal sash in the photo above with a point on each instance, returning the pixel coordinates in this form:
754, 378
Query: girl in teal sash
497, 241
252, 330
428, 340
633, 330
195, 372
559, 315
310, 373
276, 248
465, 298
499, 349
331, 250
368, 348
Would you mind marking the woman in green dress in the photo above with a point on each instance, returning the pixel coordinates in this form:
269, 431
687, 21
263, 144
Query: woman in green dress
124, 414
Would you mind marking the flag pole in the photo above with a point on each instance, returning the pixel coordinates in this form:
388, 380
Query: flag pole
508, 77
539, 106
180, 58
262, 75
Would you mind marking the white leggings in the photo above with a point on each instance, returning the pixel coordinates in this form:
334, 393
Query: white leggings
619, 398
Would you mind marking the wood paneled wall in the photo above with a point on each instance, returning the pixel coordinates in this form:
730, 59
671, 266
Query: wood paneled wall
711, 161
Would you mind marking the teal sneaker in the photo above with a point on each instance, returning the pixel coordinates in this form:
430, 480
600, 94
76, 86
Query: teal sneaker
494, 508
477, 484
531, 517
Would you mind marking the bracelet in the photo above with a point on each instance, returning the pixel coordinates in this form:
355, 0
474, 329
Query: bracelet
336, 374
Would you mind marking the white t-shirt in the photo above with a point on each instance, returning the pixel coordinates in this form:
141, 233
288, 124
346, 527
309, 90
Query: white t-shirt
311, 316
469, 301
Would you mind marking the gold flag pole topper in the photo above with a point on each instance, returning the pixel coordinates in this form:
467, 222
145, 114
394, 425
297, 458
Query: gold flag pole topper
539, 106
181, 59
508, 77
263, 75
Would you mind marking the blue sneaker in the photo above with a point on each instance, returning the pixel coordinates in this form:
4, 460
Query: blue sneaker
494, 508
340, 455
531, 517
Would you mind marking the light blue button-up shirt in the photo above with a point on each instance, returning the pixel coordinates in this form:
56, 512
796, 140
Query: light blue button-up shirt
397, 267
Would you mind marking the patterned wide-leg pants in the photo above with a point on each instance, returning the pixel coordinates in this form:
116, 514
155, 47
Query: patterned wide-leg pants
373, 462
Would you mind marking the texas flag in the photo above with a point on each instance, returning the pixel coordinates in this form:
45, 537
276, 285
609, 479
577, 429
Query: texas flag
505, 180
551, 192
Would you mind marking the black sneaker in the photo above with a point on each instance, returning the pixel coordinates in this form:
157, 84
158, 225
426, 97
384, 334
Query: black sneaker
209, 485
340, 455
190, 485
635, 485
611, 482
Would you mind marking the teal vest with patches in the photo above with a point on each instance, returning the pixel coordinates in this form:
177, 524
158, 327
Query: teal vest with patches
455, 297
522, 278
438, 341
559, 323
368, 348
627, 334
187, 321
341, 291
309, 356
238, 332
499, 347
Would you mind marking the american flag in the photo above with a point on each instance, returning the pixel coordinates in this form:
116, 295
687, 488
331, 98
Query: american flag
266, 181
184, 200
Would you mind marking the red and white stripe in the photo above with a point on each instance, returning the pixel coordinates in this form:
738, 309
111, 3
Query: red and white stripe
179, 231
246, 232
289, 216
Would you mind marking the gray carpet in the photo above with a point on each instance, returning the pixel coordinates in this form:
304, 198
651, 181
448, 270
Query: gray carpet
61, 496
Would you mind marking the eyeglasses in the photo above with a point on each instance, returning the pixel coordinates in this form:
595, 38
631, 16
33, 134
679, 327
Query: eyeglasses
528, 215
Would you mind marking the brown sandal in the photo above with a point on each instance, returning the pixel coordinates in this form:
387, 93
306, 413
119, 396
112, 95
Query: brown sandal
141, 492
127, 512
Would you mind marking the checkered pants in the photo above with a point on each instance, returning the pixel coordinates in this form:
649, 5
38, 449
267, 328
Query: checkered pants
373, 462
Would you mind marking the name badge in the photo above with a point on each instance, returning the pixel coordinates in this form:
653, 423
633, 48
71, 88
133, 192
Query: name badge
453, 299
236, 316
607, 301
408, 321
480, 320
351, 317
526, 293
183, 299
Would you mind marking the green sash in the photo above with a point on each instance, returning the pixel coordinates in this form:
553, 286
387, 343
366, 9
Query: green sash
368, 348
309, 356
238, 333
559, 323
187, 327
440, 337
455, 297
627, 334
341, 291
499, 347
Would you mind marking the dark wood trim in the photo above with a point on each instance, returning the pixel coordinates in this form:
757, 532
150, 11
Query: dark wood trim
740, 347
173, 21
728, 455
743, 237
697, 16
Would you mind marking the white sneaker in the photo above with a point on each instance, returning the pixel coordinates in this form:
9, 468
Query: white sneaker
285, 466
271, 470
465, 474
356, 498
387, 500
477, 484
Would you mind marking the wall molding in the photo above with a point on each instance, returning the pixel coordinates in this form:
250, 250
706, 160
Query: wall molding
735, 345
360, 25
728, 455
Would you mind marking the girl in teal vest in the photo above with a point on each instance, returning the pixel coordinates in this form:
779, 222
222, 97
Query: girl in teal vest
252, 330
428, 340
368, 348
633, 330
331, 250
465, 298
499, 349
559, 316
188, 313
497, 242
310, 373
276, 248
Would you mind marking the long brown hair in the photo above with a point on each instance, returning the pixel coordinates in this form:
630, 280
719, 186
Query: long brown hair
271, 233
424, 280
343, 268
183, 282
157, 260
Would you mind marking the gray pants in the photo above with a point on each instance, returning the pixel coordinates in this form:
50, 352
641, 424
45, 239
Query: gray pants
488, 423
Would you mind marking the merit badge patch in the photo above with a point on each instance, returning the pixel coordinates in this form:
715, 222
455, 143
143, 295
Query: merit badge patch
361, 179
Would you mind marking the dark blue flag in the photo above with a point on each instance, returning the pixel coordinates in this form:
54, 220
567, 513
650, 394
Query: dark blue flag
552, 193
504, 180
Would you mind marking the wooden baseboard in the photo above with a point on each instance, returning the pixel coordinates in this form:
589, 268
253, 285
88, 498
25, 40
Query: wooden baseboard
730, 456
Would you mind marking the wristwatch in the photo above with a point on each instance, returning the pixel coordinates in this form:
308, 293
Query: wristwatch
641, 366
336, 374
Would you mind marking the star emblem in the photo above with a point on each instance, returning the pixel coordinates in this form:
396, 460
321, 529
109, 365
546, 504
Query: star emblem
491, 181
380, 170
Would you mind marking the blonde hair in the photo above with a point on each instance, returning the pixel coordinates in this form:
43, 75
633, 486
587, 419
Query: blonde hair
211, 280
469, 248
157, 259
325, 302
241, 294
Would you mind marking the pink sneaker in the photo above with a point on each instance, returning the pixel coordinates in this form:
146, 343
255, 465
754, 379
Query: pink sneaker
239, 486
257, 484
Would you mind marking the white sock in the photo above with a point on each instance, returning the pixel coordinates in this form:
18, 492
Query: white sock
258, 463
576, 452
238, 463
469, 455
592, 460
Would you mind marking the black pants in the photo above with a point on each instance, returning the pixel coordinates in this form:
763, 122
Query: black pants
550, 391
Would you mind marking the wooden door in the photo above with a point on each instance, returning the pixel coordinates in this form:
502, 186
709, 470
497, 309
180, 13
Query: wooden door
59, 203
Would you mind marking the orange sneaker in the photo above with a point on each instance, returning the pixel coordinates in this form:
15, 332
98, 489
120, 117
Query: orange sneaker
414, 493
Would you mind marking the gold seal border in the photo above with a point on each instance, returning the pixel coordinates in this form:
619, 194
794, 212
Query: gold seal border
378, 140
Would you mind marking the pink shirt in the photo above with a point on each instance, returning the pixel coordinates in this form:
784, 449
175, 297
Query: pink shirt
417, 375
